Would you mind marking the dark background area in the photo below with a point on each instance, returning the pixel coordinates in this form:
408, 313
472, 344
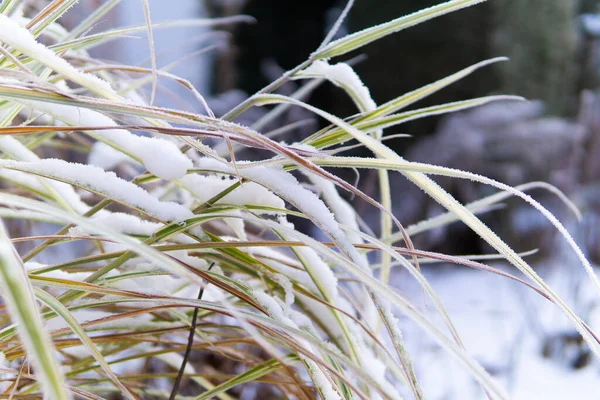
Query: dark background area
552, 59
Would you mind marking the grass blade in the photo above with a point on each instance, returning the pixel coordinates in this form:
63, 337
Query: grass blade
19, 298
364, 37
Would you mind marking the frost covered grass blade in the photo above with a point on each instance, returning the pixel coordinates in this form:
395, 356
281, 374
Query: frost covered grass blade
364, 37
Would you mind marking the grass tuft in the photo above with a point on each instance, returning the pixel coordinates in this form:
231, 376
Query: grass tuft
164, 215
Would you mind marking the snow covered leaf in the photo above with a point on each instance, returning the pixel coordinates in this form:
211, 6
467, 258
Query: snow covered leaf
107, 184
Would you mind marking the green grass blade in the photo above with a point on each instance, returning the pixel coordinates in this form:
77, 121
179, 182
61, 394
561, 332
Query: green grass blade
336, 135
249, 376
364, 37
56, 10
18, 295
92, 19
62, 311
141, 249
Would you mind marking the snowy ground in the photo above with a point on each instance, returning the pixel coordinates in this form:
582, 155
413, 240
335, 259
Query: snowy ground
504, 326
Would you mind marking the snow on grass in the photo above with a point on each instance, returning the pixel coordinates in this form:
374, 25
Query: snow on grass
287, 187
273, 307
20, 302
205, 187
16, 150
23, 179
320, 271
278, 313
237, 224
20, 38
288, 289
322, 382
160, 284
127, 224
342, 75
343, 212
320, 311
65, 194
26, 215
161, 157
376, 369
285, 265
293, 270
105, 183
106, 157
154, 282
324, 314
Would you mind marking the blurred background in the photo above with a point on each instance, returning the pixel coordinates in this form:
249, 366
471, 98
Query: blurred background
553, 46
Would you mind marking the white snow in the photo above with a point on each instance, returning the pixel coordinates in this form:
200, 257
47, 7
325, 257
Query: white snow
277, 312
342, 75
23, 179
160, 284
324, 314
106, 183
283, 264
21, 304
303, 321
106, 157
287, 186
20, 38
288, 288
161, 157
322, 382
273, 308
127, 224
343, 212
503, 326
16, 150
320, 271
205, 187
236, 223
27, 215
376, 369
57, 273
